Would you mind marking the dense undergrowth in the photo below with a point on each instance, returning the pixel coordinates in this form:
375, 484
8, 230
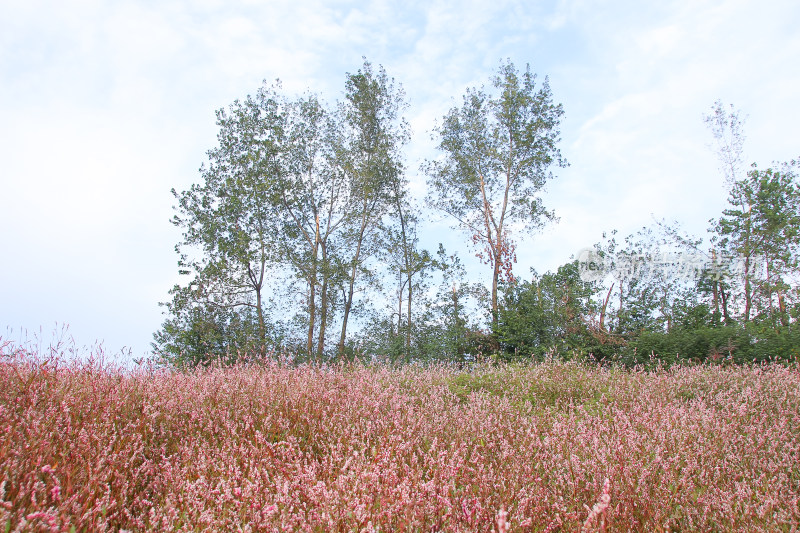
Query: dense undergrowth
554, 446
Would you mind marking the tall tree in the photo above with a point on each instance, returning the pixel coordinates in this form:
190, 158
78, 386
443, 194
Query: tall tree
497, 153
229, 219
727, 128
313, 198
373, 131
762, 223
762, 230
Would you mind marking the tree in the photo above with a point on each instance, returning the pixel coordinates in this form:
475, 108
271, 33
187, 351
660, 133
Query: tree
549, 312
727, 128
229, 218
196, 332
293, 200
393, 329
448, 328
761, 224
762, 230
497, 150
410, 266
369, 156
314, 204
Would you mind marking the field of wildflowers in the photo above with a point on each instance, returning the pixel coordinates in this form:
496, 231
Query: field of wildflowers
86, 446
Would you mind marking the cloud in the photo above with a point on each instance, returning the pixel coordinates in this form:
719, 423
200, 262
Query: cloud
107, 106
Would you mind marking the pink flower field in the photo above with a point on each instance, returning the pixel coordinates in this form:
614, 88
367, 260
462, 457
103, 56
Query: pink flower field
555, 446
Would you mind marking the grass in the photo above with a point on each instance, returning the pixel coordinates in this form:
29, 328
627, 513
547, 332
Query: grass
89, 446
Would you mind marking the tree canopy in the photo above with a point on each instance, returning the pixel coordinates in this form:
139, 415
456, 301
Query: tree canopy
498, 150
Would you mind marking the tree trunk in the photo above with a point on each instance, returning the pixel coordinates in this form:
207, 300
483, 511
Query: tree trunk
312, 289
748, 298
408, 322
407, 261
456, 321
769, 300
399, 308
782, 309
715, 289
603, 309
725, 316
323, 295
258, 284
262, 329
495, 278
400, 292
348, 304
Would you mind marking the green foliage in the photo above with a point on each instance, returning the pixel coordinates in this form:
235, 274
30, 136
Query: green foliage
549, 314
762, 228
725, 344
563, 387
688, 317
192, 338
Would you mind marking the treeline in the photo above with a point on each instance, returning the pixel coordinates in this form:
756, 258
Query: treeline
303, 236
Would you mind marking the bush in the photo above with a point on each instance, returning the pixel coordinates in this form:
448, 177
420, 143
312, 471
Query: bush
736, 344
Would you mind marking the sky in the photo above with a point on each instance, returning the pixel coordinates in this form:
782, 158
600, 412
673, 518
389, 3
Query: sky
108, 105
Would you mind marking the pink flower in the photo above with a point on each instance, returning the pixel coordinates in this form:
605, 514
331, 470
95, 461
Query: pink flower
41, 515
599, 508
502, 523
